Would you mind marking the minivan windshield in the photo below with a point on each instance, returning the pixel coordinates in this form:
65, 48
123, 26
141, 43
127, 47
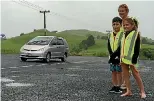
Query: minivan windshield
40, 41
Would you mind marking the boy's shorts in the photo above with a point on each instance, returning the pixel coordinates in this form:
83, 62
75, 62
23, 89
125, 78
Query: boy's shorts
115, 68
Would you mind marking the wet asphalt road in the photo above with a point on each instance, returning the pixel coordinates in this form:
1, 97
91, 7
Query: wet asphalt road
79, 79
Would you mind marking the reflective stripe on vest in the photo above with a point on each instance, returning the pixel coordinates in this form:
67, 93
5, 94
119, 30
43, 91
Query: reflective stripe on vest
115, 41
132, 43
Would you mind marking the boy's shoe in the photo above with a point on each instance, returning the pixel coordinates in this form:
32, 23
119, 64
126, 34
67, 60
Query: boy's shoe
113, 89
118, 90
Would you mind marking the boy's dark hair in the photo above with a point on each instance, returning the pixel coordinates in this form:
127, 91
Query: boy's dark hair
117, 19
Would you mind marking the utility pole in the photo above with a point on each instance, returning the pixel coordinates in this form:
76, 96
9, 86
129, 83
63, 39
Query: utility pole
108, 31
44, 12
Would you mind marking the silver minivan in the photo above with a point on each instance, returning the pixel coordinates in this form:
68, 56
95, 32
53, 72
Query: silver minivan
45, 48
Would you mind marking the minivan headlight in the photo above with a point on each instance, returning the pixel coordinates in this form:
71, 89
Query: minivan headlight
42, 49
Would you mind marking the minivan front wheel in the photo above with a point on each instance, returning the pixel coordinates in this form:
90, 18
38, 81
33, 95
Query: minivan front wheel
63, 59
48, 57
23, 59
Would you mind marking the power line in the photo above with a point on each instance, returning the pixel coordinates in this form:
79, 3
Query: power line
31, 4
25, 5
37, 7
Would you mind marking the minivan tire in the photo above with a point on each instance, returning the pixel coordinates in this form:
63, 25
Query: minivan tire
23, 59
63, 59
48, 57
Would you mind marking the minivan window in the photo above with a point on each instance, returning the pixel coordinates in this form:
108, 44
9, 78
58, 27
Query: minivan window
60, 42
54, 42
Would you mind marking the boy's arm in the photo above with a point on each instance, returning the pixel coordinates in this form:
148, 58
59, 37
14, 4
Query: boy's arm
109, 48
136, 50
116, 53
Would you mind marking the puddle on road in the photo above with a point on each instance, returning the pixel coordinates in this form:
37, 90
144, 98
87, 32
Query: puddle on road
14, 76
15, 71
62, 63
76, 66
27, 66
18, 84
12, 67
72, 75
6, 80
2, 68
80, 62
77, 69
41, 65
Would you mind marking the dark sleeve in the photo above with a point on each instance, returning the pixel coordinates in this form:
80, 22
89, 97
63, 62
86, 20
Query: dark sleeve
109, 48
136, 50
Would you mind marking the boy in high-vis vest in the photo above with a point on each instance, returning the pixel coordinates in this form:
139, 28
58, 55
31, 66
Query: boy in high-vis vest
114, 41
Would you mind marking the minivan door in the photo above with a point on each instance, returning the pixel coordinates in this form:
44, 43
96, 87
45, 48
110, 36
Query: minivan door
61, 47
53, 48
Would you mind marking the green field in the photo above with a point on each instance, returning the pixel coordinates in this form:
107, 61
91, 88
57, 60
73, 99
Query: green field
73, 37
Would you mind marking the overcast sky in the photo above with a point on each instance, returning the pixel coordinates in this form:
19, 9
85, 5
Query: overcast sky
91, 15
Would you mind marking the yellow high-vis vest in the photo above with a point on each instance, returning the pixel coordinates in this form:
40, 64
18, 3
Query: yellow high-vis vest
127, 47
115, 41
122, 29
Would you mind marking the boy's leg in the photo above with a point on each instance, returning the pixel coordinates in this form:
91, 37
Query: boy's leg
125, 69
138, 80
114, 78
112, 69
119, 75
119, 78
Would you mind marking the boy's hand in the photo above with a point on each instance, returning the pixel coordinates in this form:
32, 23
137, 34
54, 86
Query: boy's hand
110, 60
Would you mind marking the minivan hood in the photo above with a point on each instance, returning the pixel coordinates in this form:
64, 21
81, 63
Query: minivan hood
33, 47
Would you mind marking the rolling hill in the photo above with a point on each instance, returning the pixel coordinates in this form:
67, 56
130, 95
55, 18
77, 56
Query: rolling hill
73, 37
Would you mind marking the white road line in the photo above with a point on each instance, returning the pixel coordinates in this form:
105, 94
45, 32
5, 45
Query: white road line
27, 66
2, 68
15, 71
14, 76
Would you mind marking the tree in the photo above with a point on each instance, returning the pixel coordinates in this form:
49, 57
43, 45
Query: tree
98, 37
90, 41
34, 30
104, 37
83, 45
144, 41
21, 34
